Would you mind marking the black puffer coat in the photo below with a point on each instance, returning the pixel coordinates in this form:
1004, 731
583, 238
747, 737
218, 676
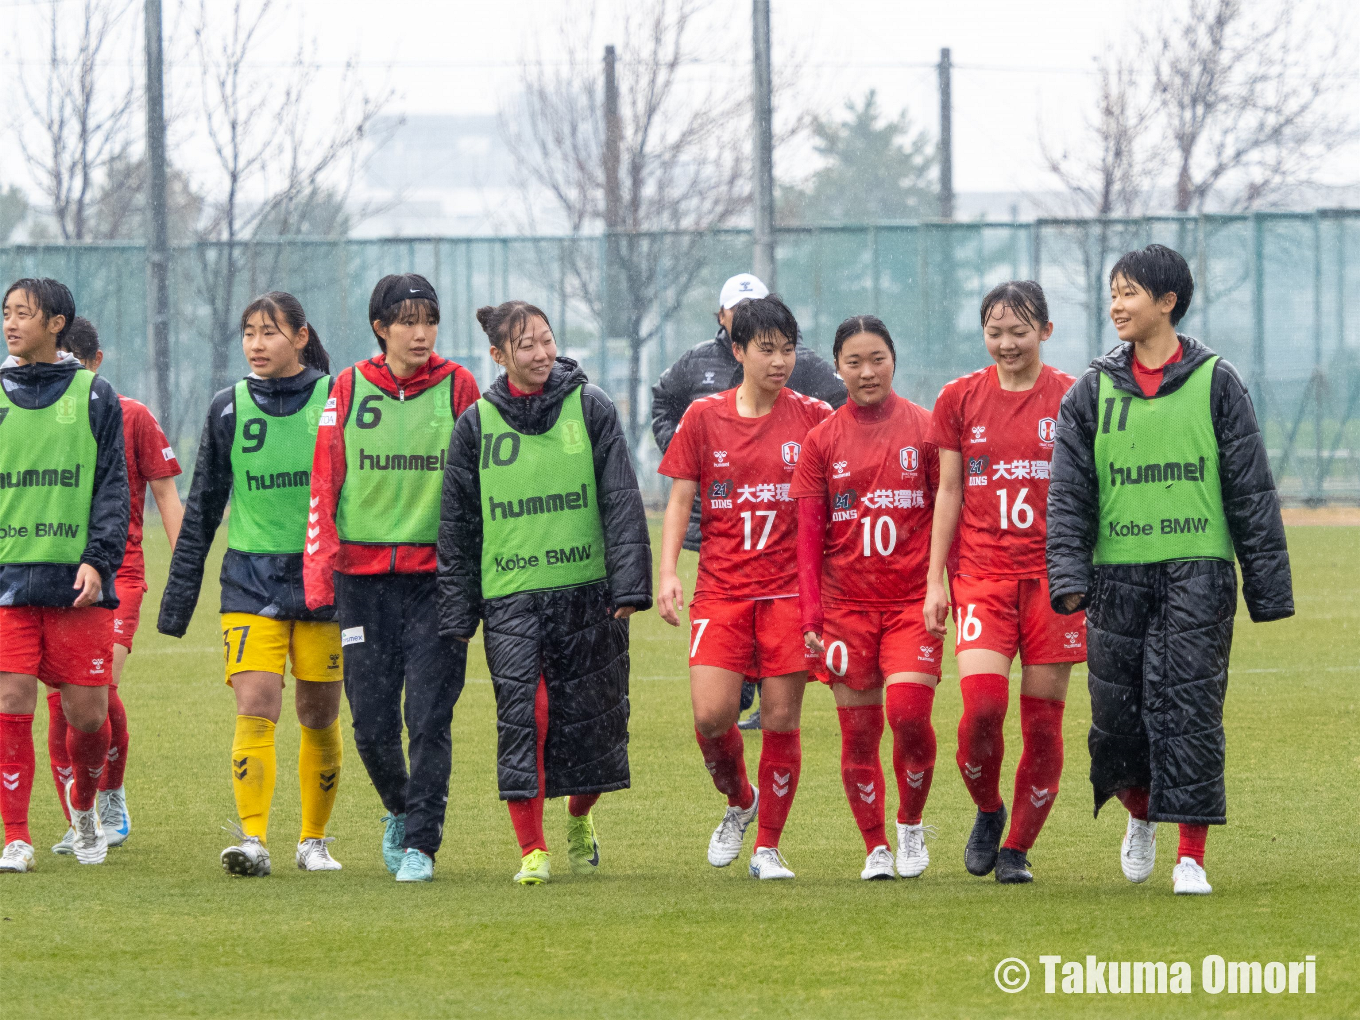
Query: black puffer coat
568, 636
710, 367
1159, 635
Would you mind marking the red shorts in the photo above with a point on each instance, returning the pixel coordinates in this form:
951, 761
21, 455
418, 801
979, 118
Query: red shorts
58, 646
865, 646
129, 611
1010, 616
754, 637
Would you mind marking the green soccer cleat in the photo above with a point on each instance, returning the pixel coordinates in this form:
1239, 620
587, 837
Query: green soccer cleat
415, 867
394, 834
533, 869
583, 848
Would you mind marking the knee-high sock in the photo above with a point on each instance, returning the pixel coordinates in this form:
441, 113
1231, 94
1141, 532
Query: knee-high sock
253, 764
526, 815
725, 759
319, 758
118, 743
16, 774
1039, 771
781, 759
909, 708
56, 749
1135, 801
89, 754
862, 769
981, 742
581, 803
1192, 842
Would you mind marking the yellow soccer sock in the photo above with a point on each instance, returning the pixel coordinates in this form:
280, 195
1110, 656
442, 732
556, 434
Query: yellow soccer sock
319, 776
253, 764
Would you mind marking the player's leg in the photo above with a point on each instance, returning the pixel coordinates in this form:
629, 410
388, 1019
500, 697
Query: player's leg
111, 799
78, 656
526, 813
60, 765
20, 654
317, 671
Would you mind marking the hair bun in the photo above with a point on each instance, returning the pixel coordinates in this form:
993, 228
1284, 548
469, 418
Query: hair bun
484, 316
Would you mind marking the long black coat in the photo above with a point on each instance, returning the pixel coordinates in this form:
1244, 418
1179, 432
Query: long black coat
568, 636
1159, 635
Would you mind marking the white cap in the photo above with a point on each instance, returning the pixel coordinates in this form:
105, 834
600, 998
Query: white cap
739, 288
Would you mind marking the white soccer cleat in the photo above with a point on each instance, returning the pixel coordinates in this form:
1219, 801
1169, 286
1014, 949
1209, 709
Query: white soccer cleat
89, 844
248, 858
314, 855
17, 858
725, 845
912, 855
113, 815
878, 865
767, 862
67, 846
1139, 852
1190, 879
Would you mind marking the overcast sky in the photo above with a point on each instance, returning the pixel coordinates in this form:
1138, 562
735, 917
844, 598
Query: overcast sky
1022, 66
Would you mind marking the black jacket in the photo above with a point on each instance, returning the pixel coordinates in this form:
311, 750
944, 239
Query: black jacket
263, 584
628, 553
40, 385
711, 367
1250, 502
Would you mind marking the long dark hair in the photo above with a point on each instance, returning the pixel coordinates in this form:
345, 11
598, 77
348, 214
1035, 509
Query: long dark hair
861, 324
501, 322
52, 297
278, 304
1024, 297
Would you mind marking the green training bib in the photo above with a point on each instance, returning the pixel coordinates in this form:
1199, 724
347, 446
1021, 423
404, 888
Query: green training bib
271, 473
1157, 461
47, 462
394, 465
541, 523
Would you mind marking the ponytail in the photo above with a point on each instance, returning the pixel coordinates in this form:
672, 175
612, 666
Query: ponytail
314, 355
278, 304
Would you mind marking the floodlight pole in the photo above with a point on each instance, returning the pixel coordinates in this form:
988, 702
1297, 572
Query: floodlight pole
763, 255
157, 232
946, 138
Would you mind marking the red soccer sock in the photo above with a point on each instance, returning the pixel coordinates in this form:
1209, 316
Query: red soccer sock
725, 759
581, 804
781, 759
1135, 801
1192, 842
16, 774
56, 749
1040, 769
981, 741
862, 769
118, 743
89, 754
526, 815
909, 708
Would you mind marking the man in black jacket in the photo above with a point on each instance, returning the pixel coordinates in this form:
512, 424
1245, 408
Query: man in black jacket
711, 367
1159, 478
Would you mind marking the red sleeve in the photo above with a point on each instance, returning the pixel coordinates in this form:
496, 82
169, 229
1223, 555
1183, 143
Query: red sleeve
155, 457
811, 550
328, 475
945, 421
681, 459
809, 477
465, 391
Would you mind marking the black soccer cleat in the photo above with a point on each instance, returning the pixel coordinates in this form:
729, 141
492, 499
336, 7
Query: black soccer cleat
752, 723
979, 856
1012, 867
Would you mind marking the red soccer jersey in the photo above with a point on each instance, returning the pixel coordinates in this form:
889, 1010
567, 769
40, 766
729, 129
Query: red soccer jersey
1006, 442
744, 467
878, 478
149, 456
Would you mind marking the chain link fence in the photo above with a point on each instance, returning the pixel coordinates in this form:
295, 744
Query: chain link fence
1273, 293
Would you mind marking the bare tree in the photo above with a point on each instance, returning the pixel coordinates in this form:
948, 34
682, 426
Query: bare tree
684, 167
269, 151
1251, 104
83, 116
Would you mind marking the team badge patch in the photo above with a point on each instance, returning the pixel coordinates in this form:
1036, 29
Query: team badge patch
910, 458
791, 452
1048, 429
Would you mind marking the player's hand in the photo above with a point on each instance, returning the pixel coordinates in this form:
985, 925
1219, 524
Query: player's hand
88, 583
623, 612
671, 599
1072, 600
936, 610
813, 642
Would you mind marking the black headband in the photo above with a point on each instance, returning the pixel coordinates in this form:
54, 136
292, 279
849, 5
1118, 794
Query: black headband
406, 287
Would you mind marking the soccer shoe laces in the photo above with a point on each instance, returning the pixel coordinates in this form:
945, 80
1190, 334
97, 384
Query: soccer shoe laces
730, 829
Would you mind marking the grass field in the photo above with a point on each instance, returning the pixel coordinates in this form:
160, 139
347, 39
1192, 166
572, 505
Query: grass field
161, 931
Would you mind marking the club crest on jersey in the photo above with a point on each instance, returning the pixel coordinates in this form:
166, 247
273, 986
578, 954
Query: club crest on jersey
840, 467
909, 457
1048, 429
791, 452
720, 458
979, 433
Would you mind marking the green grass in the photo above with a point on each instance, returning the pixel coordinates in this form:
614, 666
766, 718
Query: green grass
160, 931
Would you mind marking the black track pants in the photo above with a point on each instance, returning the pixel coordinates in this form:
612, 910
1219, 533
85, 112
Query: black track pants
391, 633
